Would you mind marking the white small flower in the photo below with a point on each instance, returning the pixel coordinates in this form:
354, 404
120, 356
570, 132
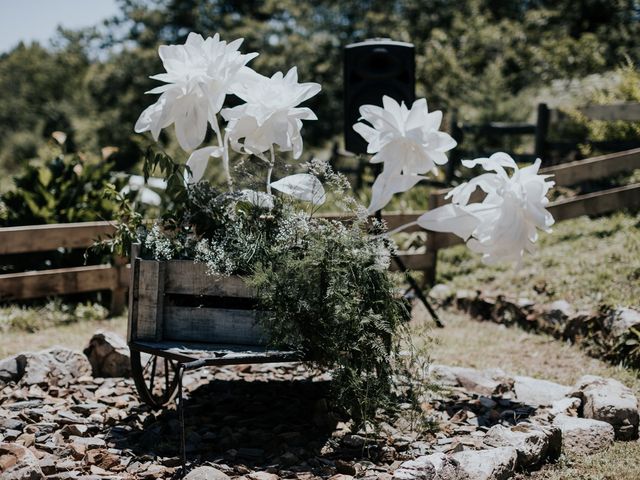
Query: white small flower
504, 225
271, 114
406, 141
199, 74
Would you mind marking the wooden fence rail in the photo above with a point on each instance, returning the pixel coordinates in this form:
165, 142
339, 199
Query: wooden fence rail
61, 281
114, 277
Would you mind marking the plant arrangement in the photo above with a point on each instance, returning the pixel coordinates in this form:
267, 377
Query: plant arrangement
324, 284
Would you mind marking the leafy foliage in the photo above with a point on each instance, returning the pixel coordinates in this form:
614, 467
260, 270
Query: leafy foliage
480, 57
63, 189
625, 89
325, 284
330, 295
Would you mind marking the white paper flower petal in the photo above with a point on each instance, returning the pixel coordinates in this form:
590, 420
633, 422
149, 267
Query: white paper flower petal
387, 185
449, 218
198, 161
302, 186
150, 197
495, 162
199, 74
271, 115
405, 137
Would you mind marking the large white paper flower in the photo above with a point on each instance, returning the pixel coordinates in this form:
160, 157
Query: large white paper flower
504, 225
199, 74
271, 114
406, 141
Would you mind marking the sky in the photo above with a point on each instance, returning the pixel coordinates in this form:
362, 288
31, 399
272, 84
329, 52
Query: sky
30, 20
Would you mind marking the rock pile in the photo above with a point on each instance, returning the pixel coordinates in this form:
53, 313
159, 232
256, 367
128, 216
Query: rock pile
264, 422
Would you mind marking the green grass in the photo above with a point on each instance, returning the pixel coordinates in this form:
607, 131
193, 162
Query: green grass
52, 314
588, 262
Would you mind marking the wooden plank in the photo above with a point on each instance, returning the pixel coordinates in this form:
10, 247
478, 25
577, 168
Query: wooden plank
217, 354
188, 278
60, 281
597, 203
217, 325
42, 238
595, 168
618, 111
150, 300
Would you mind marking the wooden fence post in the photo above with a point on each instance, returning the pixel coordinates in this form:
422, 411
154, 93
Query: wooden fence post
119, 292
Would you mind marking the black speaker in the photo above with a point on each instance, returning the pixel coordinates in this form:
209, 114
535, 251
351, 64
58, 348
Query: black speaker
372, 69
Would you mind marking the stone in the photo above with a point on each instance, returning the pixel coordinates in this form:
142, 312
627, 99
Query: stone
18, 463
441, 293
558, 312
584, 436
610, 401
620, 320
493, 464
534, 392
206, 473
263, 476
11, 369
567, 406
108, 355
422, 468
487, 383
530, 441
56, 366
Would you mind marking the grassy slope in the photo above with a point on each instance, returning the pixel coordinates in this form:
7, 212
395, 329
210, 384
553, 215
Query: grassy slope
585, 261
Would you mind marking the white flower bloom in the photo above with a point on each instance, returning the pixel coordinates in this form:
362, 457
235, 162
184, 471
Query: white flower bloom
199, 74
504, 225
302, 186
145, 194
271, 114
407, 142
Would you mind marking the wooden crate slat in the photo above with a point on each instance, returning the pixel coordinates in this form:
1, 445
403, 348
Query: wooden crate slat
150, 300
217, 325
188, 278
60, 281
218, 354
42, 238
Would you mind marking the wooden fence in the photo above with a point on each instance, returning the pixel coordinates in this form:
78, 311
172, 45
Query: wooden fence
115, 277
544, 147
61, 281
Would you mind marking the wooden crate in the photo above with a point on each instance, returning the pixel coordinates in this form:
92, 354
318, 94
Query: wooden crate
177, 301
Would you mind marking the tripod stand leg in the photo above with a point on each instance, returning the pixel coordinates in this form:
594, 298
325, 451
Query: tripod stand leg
418, 291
